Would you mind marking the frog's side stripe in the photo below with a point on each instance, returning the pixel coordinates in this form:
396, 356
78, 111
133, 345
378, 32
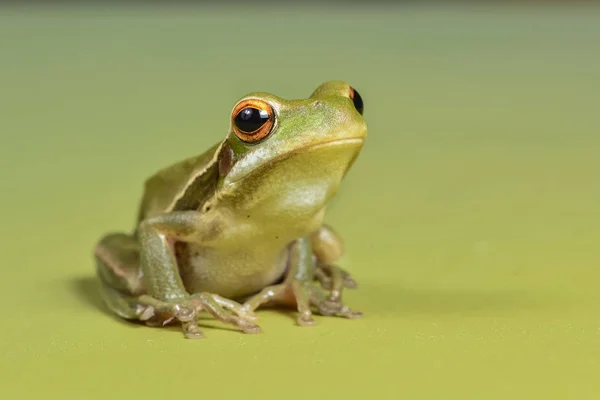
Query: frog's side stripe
181, 186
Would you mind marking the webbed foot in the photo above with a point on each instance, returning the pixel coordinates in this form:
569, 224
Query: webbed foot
335, 280
337, 309
156, 313
333, 277
294, 292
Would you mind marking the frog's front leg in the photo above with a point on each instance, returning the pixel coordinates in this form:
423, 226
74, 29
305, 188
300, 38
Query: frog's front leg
299, 284
165, 290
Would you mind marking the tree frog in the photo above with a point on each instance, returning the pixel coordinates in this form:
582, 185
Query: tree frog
241, 225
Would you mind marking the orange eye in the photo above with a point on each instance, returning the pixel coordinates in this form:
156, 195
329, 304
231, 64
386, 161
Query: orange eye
252, 120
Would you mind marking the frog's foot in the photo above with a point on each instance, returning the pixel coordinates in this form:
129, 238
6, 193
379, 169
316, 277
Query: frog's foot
331, 276
332, 305
334, 279
295, 292
156, 312
229, 311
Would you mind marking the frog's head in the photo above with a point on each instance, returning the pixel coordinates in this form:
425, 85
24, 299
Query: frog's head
297, 147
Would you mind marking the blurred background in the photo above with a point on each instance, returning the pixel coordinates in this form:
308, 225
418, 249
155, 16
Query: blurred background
471, 217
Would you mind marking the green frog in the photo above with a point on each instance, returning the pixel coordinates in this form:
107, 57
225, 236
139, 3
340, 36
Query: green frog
241, 225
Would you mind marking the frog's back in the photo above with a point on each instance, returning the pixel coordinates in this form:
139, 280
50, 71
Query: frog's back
182, 186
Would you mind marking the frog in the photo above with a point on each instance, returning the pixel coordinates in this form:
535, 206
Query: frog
241, 226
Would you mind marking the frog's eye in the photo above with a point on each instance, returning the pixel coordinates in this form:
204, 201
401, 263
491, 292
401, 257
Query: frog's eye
357, 100
252, 120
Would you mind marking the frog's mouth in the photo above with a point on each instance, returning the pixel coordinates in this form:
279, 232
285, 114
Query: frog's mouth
255, 164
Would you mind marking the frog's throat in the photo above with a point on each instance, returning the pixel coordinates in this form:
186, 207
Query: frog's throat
357, 142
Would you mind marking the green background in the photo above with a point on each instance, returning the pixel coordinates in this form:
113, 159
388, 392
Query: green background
471, 218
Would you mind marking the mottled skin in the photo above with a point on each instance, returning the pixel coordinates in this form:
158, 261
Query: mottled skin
242, 224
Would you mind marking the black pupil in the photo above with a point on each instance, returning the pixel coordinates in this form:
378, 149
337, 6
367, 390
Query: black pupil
250, 119
358, 102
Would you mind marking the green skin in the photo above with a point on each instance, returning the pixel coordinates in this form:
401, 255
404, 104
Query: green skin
241, 225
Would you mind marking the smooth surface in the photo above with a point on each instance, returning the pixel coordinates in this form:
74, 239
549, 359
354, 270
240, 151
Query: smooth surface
471, 218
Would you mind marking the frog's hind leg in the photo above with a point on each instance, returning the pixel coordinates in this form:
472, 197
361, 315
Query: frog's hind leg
118, 267
327, 249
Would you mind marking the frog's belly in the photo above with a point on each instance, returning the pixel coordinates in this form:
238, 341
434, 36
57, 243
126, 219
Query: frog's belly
231, 274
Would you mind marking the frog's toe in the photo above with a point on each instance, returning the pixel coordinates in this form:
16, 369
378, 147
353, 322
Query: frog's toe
333, 277
244, 325
335, 308
246, 314
349, 282
194, 335
353, 314
192, 331
250, 328
154, 319
323, 278
228, 311
306, 320
158, 321
154, 322
184, 312
146, 313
